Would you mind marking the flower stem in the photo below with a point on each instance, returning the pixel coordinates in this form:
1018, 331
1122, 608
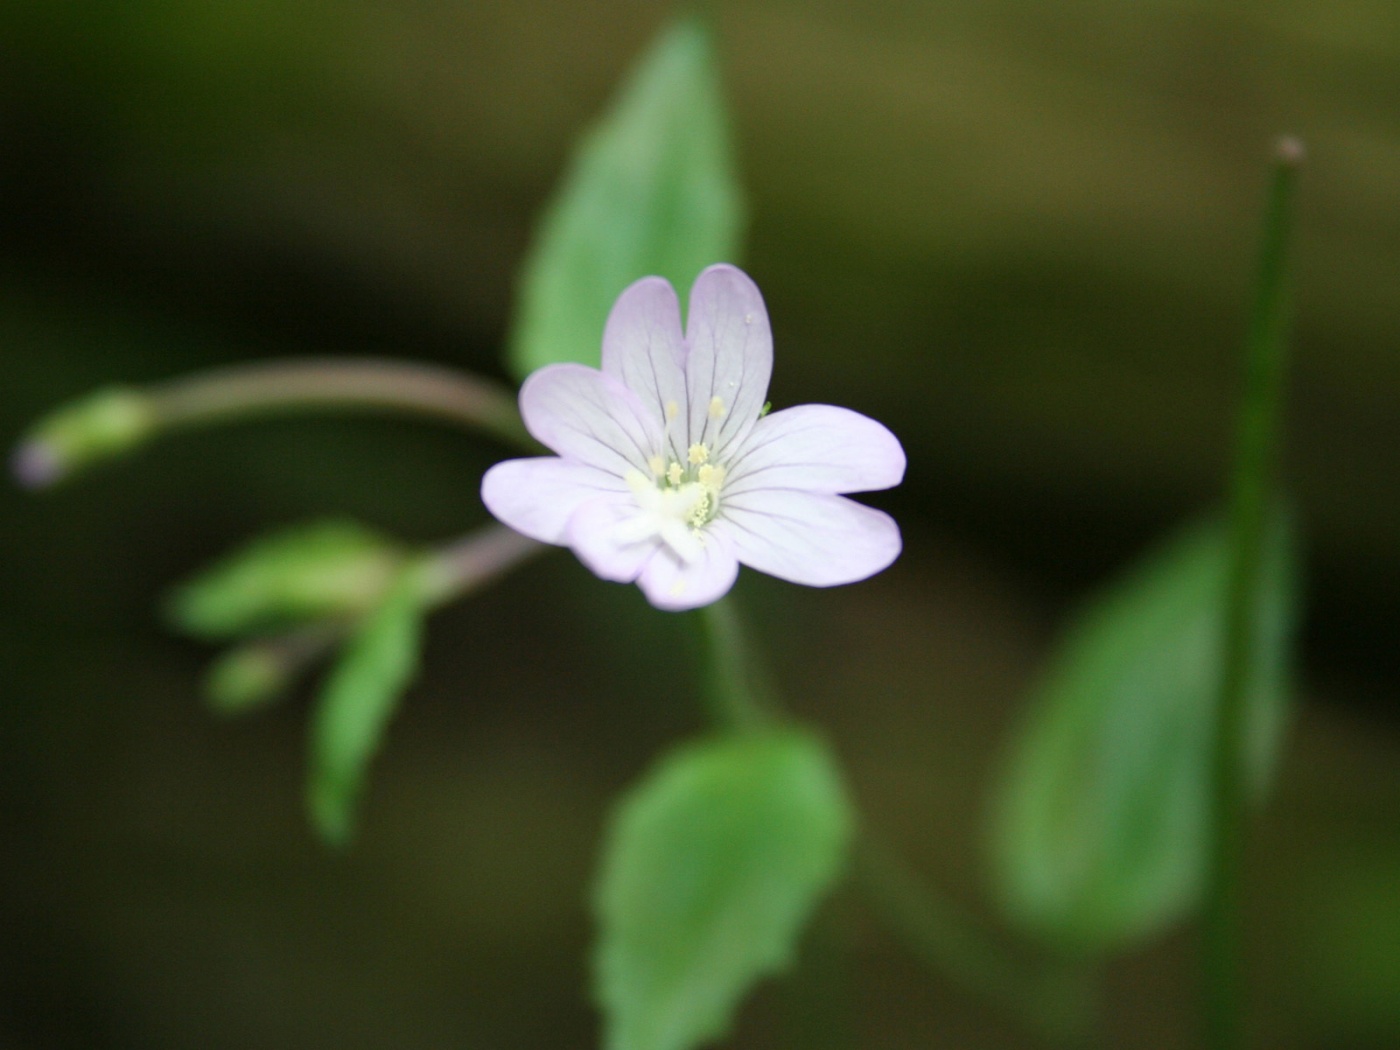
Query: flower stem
736, 685
1257, 440
425, 390
458, 568
117, 420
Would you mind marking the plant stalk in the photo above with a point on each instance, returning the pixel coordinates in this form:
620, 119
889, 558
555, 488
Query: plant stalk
1256, 450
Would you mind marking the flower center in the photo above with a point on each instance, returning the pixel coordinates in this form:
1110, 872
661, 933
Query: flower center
676, 502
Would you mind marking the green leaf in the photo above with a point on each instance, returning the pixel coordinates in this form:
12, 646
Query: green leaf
714, 864
650, 190
360, 696
1099, 834
330, 569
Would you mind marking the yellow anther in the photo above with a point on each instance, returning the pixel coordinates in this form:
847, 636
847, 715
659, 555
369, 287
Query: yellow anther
656, 465
672, 410
716, 407
674, 473
698, 454
700, 513
711, 475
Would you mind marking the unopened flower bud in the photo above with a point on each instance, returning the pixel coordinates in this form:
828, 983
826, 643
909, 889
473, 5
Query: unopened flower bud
101, 426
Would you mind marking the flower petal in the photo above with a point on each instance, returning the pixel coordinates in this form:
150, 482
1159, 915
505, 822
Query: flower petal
670, 583
808, 537
598, 533
644, 348
730, 358
537, 497
587, 416
817, 448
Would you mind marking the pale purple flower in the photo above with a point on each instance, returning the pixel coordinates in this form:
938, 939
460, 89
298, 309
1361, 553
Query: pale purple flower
668, 472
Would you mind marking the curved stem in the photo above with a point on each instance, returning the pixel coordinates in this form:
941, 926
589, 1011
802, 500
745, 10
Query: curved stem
377, 385
1255, 452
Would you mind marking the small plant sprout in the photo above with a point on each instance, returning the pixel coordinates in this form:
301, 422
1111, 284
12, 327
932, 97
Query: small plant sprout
668, 471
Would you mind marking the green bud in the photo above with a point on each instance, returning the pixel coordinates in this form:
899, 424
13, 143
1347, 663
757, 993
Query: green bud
332, 570
101, 426
247, 678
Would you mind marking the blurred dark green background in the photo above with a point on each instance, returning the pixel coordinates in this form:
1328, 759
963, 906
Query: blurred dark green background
1021, 234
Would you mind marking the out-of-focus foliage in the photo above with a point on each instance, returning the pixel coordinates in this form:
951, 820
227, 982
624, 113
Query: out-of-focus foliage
360, 696
714, 864
324, 570
1100, 835
651, 190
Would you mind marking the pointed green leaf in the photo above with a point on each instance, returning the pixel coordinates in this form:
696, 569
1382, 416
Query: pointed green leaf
1100, 829
714, 863
329, 569
650, 190
359, 697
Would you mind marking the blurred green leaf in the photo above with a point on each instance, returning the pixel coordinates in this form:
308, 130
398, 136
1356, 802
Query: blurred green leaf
650, 190
1099, 834
360, 696
714, 864
330, 569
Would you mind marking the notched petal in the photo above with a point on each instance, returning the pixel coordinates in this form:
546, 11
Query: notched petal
817, 448
730, 357
811, 538
673, 584
643, 346
600, 532
536, 497
587, 416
